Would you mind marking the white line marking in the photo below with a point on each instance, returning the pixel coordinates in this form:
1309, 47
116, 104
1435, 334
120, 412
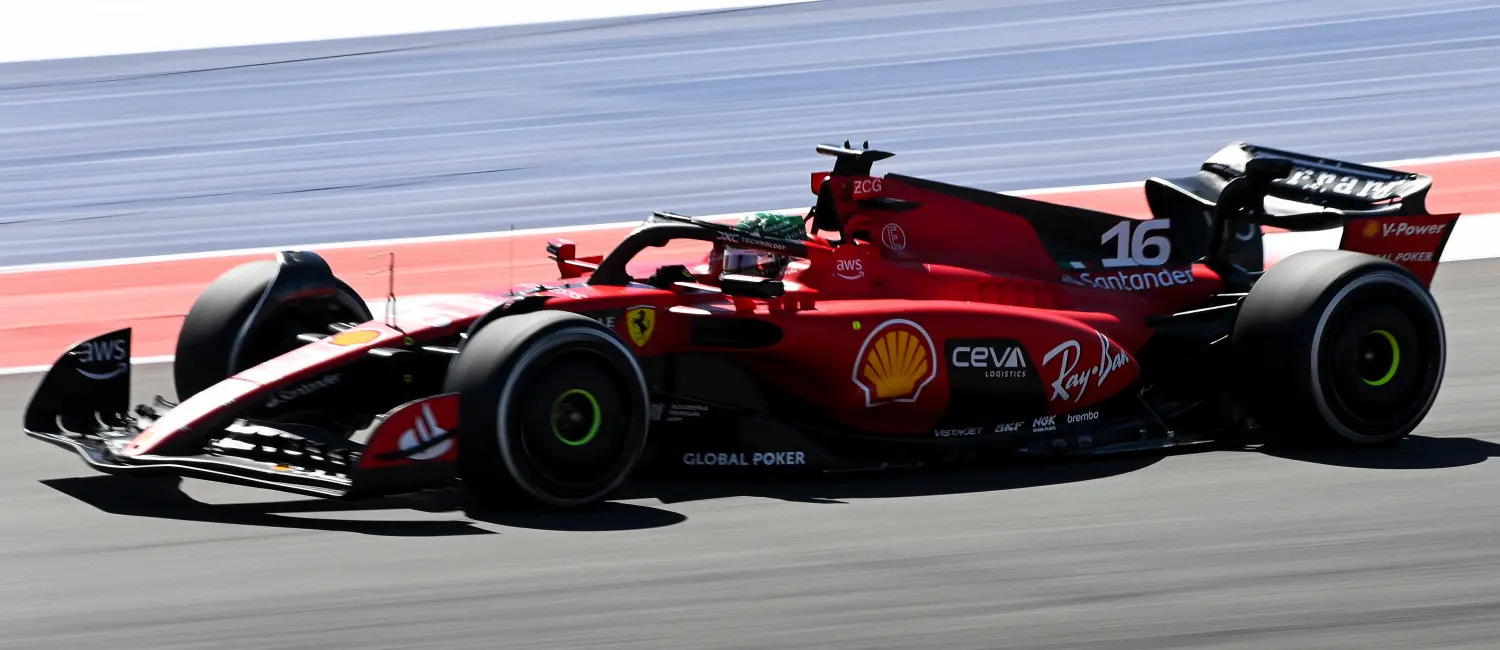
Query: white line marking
400, 241
500, 234
59, 29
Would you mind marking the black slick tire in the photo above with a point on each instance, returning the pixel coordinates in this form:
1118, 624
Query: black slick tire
214, 342
1340, 348
553, 411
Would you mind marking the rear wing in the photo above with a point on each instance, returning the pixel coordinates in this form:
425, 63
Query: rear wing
1383, 212
1329, 183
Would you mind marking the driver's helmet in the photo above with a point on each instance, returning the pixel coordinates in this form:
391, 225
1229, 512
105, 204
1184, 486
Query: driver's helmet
740, 261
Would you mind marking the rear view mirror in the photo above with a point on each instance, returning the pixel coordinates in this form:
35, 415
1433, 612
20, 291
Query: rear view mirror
817, 181
751, 286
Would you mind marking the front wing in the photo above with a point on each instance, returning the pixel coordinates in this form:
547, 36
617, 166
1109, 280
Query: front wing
82, 405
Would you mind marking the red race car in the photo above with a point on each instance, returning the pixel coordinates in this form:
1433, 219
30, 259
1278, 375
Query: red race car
901, 321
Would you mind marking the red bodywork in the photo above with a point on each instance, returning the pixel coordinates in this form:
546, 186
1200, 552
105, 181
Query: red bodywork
913, 310
865, 322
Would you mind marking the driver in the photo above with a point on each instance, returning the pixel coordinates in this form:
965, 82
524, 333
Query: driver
740, 261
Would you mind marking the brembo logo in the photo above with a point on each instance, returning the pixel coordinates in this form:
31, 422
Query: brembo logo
1088, 416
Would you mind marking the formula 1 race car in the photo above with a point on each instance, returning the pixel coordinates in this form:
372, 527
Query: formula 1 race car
900, 321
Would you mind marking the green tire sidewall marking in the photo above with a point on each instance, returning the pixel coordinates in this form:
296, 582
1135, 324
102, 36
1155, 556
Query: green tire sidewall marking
593, 430
1395, 359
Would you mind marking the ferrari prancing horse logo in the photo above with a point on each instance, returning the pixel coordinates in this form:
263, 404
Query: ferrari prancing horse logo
640, 322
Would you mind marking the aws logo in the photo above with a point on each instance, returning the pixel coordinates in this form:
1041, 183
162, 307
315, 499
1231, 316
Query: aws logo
895, 363
849, 269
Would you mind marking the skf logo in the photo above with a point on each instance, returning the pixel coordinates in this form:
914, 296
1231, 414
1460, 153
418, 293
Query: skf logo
641, 322
1371, 229
895, 363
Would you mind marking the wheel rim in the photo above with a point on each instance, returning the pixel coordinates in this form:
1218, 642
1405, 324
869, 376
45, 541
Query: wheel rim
575, 417
1380, 360
571, 418
1373, 379
1380, 349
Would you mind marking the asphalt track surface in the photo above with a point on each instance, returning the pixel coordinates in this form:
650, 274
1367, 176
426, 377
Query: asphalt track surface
1221, 549
603, 121
1205, 550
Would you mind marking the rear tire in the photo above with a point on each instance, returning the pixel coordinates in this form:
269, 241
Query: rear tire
1338, 347
213, 343
553, 410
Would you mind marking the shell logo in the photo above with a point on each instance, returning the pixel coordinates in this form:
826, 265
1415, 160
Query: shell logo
354, 337
1371, 229
895, 363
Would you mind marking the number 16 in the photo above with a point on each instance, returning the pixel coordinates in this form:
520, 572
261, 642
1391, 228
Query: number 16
1133, 252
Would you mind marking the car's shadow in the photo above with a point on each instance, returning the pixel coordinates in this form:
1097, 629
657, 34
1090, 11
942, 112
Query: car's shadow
1414, 452
163, 498
834, 489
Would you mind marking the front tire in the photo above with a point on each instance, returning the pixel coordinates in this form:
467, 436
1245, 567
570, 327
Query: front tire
553, 410
1338, 347
228, 329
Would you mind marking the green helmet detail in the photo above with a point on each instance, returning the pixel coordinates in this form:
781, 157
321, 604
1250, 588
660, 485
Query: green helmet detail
772, 224
766, 224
